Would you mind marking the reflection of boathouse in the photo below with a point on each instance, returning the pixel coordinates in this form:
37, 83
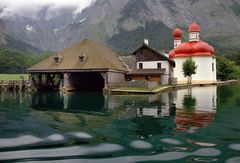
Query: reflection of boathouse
87, 65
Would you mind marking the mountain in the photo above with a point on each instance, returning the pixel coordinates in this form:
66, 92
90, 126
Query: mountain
2, 35
7, 41
124, 24
40, 32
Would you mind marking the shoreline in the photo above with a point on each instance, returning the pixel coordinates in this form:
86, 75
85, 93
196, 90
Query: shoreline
169, 88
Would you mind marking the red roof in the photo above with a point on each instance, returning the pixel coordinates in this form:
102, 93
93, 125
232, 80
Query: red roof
190, 49
177, 34
194, 27
171, 54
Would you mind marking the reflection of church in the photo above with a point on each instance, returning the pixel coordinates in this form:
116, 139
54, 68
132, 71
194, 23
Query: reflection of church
196, 107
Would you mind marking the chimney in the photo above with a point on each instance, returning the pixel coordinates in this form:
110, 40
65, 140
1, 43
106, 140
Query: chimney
146, 41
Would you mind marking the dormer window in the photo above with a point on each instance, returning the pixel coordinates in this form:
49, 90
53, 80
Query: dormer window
82, 57
58, 58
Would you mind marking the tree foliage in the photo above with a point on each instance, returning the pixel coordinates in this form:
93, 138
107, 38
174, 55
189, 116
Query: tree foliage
189, 68
227, 69
233, 56
12, 61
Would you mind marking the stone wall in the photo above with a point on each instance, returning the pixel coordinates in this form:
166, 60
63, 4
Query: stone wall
136, 84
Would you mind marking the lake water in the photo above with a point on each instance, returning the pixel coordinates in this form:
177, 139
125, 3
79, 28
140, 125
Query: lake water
200, 124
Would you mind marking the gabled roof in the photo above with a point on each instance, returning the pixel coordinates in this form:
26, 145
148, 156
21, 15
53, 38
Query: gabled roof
147, 72
129, 61
156, 52
97, 56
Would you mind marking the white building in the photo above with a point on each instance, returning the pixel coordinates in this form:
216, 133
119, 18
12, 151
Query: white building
201, 52
147, 64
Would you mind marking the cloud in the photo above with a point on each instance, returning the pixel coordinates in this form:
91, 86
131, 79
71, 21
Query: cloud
30, 8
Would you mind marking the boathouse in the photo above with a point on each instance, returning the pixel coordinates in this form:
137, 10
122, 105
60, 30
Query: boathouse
147, 64
87, 66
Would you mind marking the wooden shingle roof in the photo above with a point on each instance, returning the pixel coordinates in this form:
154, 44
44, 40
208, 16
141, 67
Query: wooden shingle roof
97, 57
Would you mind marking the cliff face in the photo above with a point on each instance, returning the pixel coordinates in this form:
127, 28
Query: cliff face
220, 21
7, 41
124, 24
2, 35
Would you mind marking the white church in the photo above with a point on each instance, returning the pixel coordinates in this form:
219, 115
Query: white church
201, 52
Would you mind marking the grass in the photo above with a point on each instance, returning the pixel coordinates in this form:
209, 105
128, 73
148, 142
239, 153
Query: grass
157, 87
142, 89
132, 89
13, 76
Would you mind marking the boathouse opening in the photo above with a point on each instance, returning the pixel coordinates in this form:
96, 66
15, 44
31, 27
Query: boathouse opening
83, 81
87, 81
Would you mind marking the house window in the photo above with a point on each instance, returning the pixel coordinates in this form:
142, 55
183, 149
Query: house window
140, 65
212, 66
159, 65
147, 78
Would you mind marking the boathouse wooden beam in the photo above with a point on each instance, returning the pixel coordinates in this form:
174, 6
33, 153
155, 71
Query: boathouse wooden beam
66, 81
40, 79
105, 77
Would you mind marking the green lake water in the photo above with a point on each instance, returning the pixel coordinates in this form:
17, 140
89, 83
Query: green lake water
200, 124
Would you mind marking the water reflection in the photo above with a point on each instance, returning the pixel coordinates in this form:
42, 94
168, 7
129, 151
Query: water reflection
71, 102
196, 108
189, 109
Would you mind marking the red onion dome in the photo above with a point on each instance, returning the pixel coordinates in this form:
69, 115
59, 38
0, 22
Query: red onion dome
194, 27
171, 54
184, 49
202, 48
177, 34
212, 50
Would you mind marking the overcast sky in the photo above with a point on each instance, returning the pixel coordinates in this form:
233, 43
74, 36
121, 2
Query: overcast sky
29, 8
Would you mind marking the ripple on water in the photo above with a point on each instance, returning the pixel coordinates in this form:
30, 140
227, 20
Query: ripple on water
235, 147
139, 144
19, 141
177, 149
171, 141
55, 137
207, 152
205, 159
81, 135
233, 160
29, 140
167, 156
60, 152
205, 144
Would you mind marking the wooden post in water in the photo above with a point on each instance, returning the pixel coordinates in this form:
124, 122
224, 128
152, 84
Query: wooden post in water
2, 85
106, 87
5, 87
20, 85
2, 96
14, 85
65, 82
